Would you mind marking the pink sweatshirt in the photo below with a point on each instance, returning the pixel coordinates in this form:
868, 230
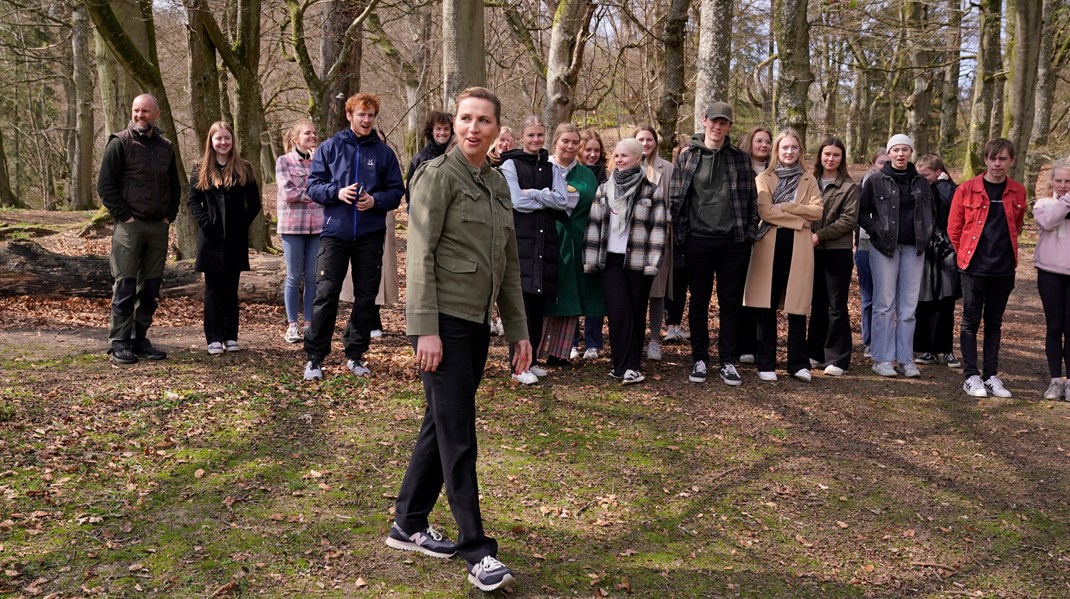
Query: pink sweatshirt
1053, 235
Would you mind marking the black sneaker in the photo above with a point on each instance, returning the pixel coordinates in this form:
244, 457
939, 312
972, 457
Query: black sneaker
925, 358
428, 541
489, 574
122, 353
730, 376
698, 373
143, 349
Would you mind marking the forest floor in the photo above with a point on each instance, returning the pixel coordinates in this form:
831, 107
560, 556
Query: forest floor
231, 476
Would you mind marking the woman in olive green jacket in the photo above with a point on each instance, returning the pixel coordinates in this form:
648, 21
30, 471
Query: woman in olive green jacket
829, 337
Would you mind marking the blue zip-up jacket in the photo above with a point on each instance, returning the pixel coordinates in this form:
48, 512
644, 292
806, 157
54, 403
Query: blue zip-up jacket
345, 159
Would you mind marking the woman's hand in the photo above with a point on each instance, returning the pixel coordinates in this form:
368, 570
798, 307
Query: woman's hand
521, 356
429, 352
814, 238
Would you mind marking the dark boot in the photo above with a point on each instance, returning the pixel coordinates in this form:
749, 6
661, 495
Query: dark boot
122, 353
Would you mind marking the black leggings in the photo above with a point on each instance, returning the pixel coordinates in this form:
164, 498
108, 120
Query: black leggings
1055, 296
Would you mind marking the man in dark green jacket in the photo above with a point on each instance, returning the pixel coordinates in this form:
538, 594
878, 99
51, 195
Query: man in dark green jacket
138, 184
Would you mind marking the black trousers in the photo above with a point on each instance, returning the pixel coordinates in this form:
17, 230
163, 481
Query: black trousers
336, 256
765, 359
983, 298
626, 292
445, 451
829, 336
748, 331
726, 260
674, 306
935, 329
534, 310
221, 306
1054, 291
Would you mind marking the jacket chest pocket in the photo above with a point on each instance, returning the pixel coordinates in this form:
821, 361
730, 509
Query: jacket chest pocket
641, 211
503, 207
473, 209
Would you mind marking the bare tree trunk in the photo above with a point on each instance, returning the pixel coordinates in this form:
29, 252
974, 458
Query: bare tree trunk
856, 129
7, 196
1023, 87
985, 86
672, 93
333, 99
1047, 76
117, 88
792, 33
714, 55
921, 99
81, 187
145, 68
568, 37
204, 94
464, 48
949, 88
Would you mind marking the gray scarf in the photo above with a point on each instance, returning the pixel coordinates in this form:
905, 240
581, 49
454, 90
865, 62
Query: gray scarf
787, 184
626, 185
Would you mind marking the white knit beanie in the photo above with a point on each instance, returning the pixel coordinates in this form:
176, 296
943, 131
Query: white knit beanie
900, 139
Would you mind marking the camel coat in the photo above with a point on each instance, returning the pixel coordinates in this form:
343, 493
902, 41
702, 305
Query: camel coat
388, 284
798, 216
659, 174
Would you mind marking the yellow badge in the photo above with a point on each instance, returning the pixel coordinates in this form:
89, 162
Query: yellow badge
571, 189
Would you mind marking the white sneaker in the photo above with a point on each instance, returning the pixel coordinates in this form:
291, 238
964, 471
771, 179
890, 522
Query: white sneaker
293, 333
803, 375
538, 371
215, 348
231, 346
833, 370
496, 328
815, 364
672, 334
974, 387
590, 354
526, 378
376, 333
1055, 390
884, 369
574, 354
767, 375
632, 376
746, 359
313, 371
911, 371
867, 351
653, 351
994, 386
358, 368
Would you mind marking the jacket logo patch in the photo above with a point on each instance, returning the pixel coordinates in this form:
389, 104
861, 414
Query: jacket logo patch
370, 162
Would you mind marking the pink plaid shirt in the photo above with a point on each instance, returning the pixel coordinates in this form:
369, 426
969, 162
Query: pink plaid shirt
297, 213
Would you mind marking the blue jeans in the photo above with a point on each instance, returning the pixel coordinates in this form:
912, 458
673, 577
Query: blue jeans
896, 286
300, 254
865, 287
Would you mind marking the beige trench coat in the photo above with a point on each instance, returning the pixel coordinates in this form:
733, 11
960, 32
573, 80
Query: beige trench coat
797, 215
388, 284
660, 173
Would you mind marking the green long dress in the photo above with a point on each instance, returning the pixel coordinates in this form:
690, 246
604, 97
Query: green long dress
578, 294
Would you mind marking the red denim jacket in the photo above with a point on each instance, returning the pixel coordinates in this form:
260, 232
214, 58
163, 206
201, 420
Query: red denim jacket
969, 210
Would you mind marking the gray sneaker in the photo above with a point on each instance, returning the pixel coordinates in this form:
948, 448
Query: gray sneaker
911, 371
884, 369
653, 351
313, 371
427, 541
358, 368
489, 574
1055, 390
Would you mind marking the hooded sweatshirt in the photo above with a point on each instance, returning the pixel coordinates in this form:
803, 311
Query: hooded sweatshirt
710, 200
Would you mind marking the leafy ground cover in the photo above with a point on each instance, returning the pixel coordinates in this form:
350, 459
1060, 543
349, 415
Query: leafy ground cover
230, 476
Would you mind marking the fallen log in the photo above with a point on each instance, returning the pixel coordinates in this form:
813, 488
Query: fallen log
26, 268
